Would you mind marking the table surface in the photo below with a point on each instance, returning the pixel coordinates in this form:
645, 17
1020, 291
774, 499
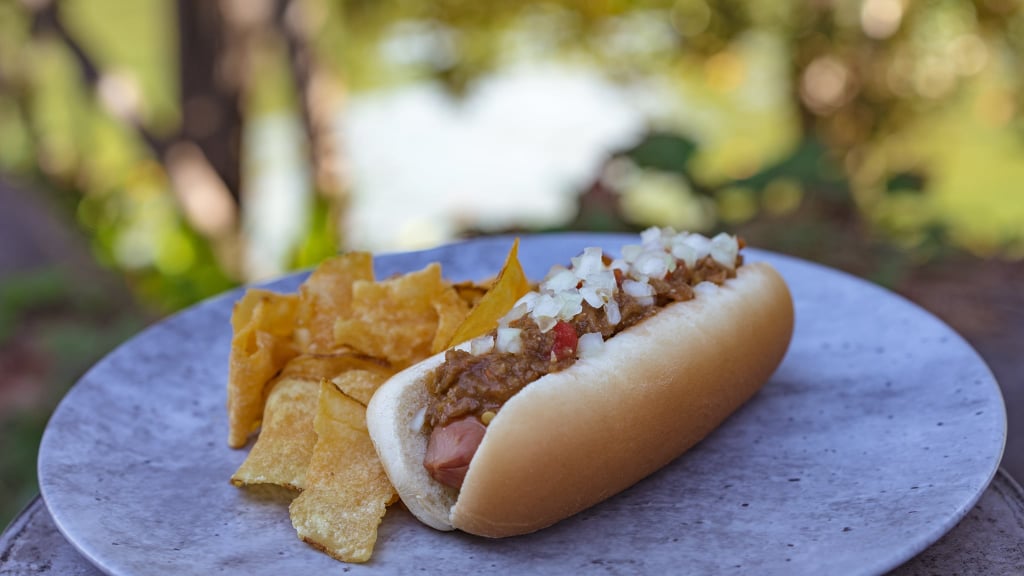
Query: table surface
988, 541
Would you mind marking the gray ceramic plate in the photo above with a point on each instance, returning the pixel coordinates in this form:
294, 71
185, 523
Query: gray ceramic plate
877, 434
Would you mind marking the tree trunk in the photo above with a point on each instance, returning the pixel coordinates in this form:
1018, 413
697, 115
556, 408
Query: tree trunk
210, 89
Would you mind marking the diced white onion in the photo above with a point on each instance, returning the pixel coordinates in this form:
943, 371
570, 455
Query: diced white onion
547, 305
612, 312
589, 344
591, 296
517, 312
418, 420
572, 304
591, 261
637, 289
651, 237
562, 294
724, 249
655, 264
529, 300
603, 281
560, 281
509, 340
700, 244
546, 323
481, 345
684, 252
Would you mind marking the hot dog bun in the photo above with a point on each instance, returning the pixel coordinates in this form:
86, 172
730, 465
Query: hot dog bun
576, 437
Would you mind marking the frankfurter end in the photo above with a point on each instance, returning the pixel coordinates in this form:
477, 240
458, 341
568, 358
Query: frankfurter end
622, 406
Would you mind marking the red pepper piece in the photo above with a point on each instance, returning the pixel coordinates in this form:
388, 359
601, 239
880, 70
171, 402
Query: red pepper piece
565, 341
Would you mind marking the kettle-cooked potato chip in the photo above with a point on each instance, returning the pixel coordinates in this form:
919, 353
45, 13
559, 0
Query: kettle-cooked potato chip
318, 366
282, 450
326, 295
395, 319
472, 292
359, 384
347, 490
263, 322
285, 444
451, 312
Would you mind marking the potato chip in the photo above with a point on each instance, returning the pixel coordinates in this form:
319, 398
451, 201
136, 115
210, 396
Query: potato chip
316, 367
285, 443
509, 287
451, 311
283, 449
262, 343
472, 292
326, 295
360, 384
395, 319
347, 491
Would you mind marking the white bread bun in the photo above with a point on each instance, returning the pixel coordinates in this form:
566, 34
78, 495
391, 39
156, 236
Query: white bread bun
576, 437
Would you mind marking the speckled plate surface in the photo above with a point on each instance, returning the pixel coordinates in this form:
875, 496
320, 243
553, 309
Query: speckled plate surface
877, 434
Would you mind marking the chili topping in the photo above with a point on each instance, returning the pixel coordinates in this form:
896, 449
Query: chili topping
571, 314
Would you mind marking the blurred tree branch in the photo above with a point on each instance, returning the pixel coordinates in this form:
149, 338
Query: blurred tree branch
212, 73
315, 93
211, 115
47, 18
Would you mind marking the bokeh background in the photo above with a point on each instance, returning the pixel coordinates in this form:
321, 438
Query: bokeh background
157, 152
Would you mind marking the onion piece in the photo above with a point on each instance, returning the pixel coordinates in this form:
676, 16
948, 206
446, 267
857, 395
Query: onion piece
700, 244
517, 312
590, 344
547, 306
591, 261
509, 340
546, 323
592, 296
481, 345
560, 281
603, 281
655, 264
612, 312
418, 420
724, 249
684, 252
637, 289
651, 237
572, 304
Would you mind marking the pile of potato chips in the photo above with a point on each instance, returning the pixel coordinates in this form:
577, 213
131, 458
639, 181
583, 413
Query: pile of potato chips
304, 366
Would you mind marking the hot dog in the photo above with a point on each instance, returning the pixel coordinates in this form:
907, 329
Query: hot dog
611, 369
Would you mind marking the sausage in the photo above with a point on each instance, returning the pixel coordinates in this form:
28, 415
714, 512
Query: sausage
451, 448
